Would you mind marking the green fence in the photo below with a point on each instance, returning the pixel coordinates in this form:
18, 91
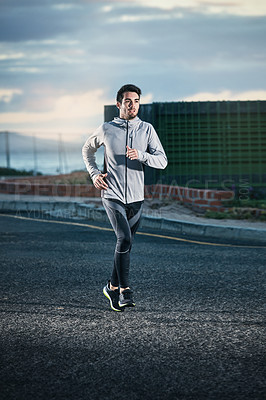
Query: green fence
209, 144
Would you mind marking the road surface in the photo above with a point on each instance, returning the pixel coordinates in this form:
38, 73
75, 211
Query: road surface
197, 331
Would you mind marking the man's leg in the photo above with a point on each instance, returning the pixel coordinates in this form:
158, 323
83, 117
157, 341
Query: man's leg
125, 221
134, 214
118, 219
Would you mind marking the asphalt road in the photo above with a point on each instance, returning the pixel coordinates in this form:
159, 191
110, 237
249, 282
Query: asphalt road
197, 332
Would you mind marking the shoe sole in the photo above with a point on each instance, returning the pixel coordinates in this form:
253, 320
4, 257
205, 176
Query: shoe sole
111, 303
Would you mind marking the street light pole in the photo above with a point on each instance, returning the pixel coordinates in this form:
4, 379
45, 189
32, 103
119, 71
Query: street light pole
35, 156
7, 150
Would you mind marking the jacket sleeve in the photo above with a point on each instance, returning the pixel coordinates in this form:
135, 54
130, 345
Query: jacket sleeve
155, 156
89, 149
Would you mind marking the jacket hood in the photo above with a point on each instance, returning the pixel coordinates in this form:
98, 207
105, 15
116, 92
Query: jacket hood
132, 123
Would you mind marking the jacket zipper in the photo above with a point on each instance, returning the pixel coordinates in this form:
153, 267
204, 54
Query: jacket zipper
126, 166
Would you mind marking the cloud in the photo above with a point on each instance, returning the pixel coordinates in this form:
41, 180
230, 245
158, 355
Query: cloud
70, 114
148, 98
66, 107
137, 15
234, 7
227, 7
26, 70
58, 53
11, 56
65, 6
227, 95
185, 38
6, 95
42, 20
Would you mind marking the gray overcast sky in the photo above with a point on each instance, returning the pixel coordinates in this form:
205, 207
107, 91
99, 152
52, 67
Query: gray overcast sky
61, 61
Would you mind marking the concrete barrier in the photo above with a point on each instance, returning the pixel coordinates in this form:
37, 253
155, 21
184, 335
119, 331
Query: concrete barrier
197, 199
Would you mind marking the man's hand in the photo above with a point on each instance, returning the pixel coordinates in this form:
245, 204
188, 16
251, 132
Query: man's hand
132, 153
99, 182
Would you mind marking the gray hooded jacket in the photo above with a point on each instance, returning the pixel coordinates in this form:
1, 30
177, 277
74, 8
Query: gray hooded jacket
125, 177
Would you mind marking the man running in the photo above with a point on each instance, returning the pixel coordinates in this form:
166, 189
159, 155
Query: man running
129, 143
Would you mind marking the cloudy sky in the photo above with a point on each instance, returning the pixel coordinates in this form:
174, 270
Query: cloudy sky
62, 61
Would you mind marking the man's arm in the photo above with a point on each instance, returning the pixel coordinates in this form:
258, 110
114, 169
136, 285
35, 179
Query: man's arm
99, 182
155, 157
88, 153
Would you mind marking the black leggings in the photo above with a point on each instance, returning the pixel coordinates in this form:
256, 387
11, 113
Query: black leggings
125, 219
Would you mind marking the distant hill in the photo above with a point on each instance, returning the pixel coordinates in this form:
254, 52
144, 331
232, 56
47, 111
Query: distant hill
47, 156
24, 143
15, 172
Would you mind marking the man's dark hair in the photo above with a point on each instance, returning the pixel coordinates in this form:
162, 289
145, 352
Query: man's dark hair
127, 88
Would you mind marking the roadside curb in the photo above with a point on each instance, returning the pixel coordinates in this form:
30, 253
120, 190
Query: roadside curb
60, 209
251, 235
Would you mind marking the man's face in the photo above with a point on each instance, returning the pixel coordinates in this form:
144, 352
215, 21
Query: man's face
129, 107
